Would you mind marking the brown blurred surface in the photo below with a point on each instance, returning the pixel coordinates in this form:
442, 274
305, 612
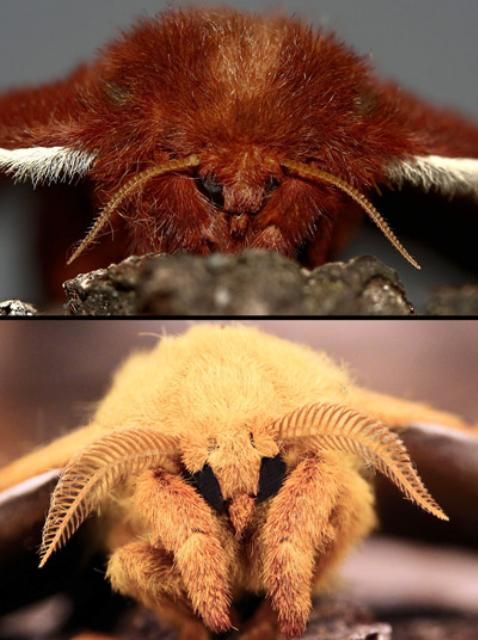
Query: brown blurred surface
53, 371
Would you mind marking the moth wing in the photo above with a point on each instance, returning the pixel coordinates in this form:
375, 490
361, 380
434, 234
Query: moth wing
447, 460
46, 458
25, 489
39, 132
448, 176
445, 159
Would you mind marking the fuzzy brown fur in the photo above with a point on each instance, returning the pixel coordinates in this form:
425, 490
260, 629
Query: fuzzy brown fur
215, 392
245, 92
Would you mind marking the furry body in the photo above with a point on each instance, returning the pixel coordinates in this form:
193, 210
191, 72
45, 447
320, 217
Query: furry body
217, 391
245, 92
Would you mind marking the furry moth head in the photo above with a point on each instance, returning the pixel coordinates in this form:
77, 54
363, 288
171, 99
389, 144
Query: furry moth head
247, 132
238, 459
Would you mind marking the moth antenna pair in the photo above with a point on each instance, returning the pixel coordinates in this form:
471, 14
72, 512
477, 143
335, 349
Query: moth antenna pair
95, 471
302, 170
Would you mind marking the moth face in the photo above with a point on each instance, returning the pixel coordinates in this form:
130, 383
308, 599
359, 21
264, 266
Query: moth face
250, 202
239, 197
237, 473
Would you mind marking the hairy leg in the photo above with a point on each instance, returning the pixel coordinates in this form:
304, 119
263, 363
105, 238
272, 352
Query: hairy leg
148, 574
177, 519
301, 526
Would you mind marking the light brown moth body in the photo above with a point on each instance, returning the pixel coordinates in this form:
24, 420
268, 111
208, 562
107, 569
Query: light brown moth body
228, 462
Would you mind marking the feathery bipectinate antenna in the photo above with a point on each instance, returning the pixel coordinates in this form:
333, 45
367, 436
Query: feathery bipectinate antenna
127, 189
93, 473
343, 429
308, 172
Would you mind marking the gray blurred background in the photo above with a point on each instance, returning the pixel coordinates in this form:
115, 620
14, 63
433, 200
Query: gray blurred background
429, 46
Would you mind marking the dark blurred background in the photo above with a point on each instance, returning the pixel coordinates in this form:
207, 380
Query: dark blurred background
53, 372
429, 46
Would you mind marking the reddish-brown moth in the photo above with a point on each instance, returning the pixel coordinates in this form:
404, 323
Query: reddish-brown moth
214, 130
228, 462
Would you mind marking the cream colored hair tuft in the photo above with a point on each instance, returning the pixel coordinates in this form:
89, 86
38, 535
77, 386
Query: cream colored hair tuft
449, 176
45, 165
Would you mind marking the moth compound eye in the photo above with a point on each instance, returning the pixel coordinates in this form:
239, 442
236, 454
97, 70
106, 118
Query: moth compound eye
212, 189
207, 485
271, 184
271, 477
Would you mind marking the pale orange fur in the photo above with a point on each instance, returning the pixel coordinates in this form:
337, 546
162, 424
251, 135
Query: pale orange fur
217, 390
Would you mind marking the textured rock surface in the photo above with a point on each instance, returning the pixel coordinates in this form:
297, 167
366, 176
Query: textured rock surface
252, 283
454, 301
330, 620
106, 292
16, 308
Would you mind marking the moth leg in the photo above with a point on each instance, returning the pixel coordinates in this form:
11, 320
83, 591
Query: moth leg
179, 520
148, 575
308, 523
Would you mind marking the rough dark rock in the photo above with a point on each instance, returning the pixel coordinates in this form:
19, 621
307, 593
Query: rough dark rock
331, 620
338, 619
16, 308
454, 301
106, 292
362, 286
253, 283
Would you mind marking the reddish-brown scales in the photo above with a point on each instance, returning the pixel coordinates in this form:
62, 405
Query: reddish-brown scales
245, 93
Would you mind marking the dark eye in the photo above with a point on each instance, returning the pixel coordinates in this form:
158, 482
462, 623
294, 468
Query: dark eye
271, 478
212, 189
207, 485
271, 184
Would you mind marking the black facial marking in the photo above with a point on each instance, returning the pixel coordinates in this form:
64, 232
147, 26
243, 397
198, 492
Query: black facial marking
206, 484
271, 478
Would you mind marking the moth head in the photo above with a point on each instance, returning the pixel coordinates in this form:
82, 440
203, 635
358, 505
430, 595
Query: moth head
298, 122
234, 471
